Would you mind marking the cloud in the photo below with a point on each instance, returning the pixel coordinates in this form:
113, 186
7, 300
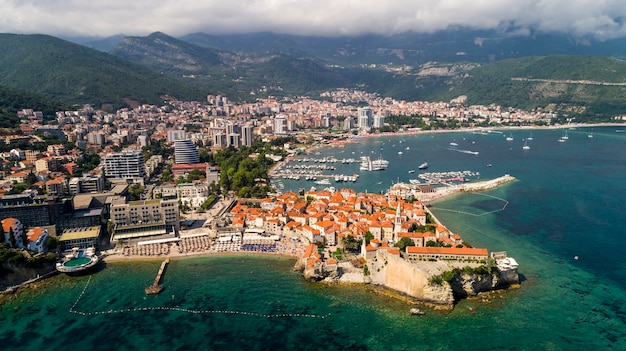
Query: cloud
598, 19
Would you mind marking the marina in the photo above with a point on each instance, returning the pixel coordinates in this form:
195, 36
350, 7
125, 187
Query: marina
448, 177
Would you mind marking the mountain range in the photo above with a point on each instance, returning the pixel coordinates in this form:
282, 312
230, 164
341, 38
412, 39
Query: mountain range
526, 72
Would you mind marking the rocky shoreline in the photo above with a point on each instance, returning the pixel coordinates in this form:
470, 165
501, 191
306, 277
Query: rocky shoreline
412, 281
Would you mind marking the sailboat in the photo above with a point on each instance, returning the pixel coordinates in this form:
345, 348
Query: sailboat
590, 135
510, 137
526, 146
530, 137
565, 136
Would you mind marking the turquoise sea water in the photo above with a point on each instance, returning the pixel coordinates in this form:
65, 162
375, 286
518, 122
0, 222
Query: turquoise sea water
568, 201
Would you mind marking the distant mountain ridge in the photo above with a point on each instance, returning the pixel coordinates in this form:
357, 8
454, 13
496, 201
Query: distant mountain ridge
434, 67
239, 75
453, 45
165, 52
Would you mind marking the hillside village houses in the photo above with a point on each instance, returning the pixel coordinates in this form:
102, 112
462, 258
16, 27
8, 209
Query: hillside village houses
51, 172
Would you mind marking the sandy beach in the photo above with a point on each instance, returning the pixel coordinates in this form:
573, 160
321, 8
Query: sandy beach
188, 247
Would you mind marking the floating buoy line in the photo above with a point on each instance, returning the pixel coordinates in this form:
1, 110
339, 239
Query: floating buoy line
506, 203
186, 310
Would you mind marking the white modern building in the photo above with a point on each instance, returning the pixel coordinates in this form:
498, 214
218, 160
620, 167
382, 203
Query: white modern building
124, 165
379, 121
365, 118
280, 125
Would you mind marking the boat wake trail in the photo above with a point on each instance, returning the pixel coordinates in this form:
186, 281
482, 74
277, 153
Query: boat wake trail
462, 151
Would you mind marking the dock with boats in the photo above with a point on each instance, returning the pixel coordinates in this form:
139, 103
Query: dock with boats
156, 287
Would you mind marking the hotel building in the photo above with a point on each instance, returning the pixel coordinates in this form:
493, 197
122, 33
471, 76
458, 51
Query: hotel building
137, 219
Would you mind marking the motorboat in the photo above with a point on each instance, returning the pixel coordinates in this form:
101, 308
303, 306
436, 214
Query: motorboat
423, 165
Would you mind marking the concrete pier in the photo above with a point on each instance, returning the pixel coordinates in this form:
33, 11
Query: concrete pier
156, 287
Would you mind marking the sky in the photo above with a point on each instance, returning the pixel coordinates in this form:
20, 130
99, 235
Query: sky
587, 19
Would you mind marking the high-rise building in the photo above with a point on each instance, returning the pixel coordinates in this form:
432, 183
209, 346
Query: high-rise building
326, 121
365, 118
348, 123
280, 125
185, 152
219, 138
247, 136
124, 165
234, 140
379, 121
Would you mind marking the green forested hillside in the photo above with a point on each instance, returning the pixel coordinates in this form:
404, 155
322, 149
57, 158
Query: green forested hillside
589, 87
72, 73
13, 100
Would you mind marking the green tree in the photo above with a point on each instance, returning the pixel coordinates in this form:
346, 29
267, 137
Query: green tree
30, 179
431, 243
110, 227
52, 243
350, 243
88, 162
368, 237
134, 192
403, 243
24, 238
12, 238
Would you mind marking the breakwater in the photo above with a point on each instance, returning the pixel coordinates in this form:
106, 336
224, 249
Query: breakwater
487, 184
